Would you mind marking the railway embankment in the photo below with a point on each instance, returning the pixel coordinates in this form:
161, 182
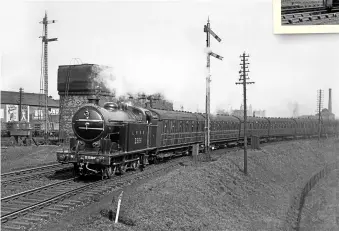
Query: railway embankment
320, 210
215, 195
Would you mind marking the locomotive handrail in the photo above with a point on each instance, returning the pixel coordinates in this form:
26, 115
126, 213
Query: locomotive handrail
87, 120
101, 129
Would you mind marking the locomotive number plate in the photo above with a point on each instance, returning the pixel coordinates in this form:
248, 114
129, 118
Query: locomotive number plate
137, 140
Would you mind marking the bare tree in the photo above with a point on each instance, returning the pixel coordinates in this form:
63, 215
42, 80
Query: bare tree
222, 111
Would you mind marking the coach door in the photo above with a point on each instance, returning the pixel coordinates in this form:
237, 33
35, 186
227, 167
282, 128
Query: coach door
152, 125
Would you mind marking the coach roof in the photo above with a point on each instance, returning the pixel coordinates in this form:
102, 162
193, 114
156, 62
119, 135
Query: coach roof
164, 114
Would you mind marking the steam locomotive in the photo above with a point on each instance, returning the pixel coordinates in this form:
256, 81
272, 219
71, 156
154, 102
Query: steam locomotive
117, 137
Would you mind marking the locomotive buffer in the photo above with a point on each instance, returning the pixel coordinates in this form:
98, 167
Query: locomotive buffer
209, 32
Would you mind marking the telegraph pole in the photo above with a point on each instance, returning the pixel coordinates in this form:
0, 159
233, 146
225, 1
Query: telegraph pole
320, 101
45, 42
243, 77
208, 31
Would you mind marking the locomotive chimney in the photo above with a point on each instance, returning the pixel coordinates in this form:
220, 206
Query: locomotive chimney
93, 99
330, 100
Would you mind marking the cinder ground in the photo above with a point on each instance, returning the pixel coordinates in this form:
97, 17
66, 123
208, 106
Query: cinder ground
211, 196
20, 157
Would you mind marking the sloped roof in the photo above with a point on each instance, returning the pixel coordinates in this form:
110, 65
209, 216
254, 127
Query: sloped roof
32, 99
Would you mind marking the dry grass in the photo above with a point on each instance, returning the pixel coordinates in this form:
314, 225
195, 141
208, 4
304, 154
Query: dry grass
217, 196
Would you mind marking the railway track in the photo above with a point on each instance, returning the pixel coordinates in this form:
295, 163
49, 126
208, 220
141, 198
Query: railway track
309, 16
25, 208
302, 10
31, 173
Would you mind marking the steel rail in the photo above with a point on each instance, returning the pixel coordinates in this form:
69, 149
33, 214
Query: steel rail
302, 10
4, 199
17, 172
32, 176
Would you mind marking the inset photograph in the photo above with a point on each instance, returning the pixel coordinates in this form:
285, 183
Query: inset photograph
309, 12
306, 16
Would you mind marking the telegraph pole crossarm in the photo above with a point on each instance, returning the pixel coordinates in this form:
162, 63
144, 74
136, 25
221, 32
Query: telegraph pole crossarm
242, 80
209, 32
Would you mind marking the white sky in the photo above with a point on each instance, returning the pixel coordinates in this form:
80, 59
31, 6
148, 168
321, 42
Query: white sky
158, 46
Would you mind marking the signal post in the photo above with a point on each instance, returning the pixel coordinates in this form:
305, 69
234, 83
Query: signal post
209, 32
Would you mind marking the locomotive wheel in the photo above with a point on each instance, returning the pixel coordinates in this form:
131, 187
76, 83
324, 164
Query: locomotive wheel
135, 165
75, 170
103, 170
150, 160
109, 172
121, 169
